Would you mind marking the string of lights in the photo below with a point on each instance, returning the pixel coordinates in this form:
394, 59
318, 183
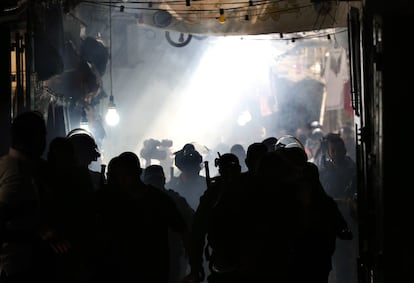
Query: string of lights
185, 2
255, 8
197, 11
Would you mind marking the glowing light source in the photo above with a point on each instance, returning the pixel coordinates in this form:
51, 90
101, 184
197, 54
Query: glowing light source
244, 118
222, 17
112, 117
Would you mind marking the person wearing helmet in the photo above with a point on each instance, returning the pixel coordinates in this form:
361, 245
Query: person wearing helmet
217, 220
189, 183
86, 151
315, 148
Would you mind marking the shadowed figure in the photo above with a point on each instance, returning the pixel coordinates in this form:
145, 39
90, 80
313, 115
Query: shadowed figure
189, 183
250, 198
28, 243
86, 151
272, 220
238, 150
338, 177
216, 227
154, 175
70, 210
134, 219
319, 221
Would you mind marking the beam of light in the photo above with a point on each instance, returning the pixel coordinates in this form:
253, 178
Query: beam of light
230, 73
193, 94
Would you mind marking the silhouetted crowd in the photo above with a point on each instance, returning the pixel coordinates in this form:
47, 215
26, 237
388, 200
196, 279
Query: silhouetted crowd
283, 210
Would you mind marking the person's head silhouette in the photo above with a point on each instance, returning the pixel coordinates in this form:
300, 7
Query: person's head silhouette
28, 133
154, 175
124, 171
228, 165
336, 147
188, 160
254, 153
85, 147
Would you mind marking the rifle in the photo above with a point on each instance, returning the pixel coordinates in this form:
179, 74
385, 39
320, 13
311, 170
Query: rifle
208, 179
171, 172
103, 176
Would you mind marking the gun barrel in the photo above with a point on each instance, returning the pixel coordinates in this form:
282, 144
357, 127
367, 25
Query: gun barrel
207, 170
171, 172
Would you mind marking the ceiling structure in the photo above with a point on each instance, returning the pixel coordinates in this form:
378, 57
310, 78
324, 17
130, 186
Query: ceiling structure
235, 17
230, 17
211, 17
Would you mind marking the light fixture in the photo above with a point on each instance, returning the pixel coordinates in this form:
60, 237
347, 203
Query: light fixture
111, 117
222, 17
244, 118
84, 124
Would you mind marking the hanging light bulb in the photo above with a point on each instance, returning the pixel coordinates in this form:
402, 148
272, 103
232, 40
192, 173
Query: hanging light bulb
222, 17
84, 124
112, 117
